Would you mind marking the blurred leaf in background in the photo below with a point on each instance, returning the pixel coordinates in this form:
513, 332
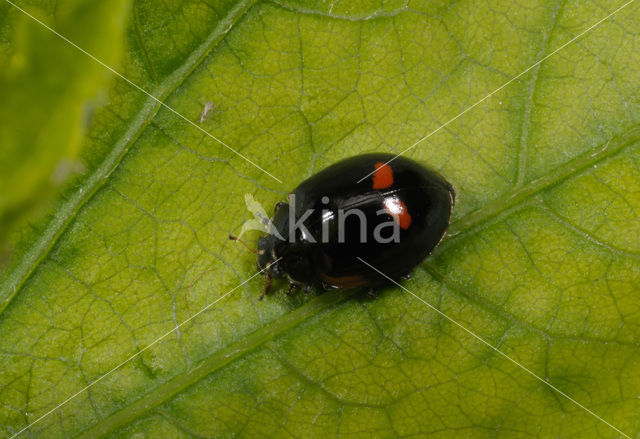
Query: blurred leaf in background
542, 259
48, 94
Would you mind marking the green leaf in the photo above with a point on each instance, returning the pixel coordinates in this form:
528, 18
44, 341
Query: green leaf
48, 91
542, 260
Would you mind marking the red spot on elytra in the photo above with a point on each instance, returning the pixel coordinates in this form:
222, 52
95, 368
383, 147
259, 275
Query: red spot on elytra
382, 176
398, 210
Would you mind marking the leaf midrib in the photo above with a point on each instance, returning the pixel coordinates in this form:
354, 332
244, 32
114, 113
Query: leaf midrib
472, 221
216, 361
221, 358
321, 303
325, 301
70, 208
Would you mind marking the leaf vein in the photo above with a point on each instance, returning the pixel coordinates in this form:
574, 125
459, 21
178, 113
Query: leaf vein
69, 209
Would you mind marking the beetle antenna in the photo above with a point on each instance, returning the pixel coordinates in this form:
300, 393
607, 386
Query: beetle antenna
235, 238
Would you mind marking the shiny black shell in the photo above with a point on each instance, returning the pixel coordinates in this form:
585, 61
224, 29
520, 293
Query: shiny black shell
402, 201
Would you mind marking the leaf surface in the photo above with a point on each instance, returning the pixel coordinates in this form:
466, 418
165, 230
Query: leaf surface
48, 94
542, 259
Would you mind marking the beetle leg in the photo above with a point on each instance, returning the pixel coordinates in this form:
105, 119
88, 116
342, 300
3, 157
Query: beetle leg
291, 287
267, 285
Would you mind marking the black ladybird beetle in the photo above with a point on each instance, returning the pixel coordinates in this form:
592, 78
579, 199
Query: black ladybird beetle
392, 219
